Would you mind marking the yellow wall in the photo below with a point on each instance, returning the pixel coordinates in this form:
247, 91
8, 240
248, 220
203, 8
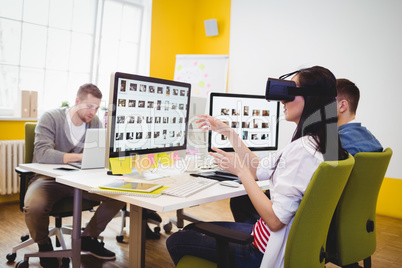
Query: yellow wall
178, 28
390, 198
12, 130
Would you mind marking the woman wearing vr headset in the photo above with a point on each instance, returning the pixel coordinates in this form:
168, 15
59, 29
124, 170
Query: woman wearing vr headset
315, 140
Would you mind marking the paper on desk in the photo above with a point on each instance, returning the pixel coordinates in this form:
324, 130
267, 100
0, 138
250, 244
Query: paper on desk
148, 162
175, 156
151, 158
137, 164
165, 159
126, 165
115, 165
121, 165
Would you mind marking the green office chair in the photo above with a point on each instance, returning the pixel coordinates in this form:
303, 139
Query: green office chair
63, 208
352, 236
306, 242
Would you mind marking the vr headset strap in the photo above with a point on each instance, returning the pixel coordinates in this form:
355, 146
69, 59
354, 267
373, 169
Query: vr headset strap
308, 91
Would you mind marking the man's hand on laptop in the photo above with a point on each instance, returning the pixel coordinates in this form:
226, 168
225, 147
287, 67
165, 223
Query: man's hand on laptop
71, 158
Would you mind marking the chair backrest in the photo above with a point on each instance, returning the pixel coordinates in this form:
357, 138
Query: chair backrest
63, 207
29, 141
355, 216
29, 148
307, 237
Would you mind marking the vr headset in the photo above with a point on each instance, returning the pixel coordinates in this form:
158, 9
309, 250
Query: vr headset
286, 90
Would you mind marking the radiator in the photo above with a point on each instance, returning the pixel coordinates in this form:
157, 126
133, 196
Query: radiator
11, 155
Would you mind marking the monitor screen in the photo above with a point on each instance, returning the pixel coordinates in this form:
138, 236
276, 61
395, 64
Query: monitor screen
148, 115
252, 117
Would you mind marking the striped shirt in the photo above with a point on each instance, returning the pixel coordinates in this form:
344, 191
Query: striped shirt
261, 235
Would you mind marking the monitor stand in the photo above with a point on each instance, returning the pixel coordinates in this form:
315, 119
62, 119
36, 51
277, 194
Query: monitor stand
145, 175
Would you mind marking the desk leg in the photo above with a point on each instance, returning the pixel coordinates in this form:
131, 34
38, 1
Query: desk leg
76, 236
137, 238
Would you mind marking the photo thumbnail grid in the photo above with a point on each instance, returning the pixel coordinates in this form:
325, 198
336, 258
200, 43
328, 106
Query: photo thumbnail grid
149, 115
253, 119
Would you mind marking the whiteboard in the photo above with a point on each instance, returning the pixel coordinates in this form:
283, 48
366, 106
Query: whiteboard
205, 73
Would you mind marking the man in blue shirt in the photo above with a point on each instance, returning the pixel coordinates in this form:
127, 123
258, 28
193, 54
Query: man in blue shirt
354, 137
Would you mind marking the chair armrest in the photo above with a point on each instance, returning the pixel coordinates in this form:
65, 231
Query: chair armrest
25, 176
222, 233
223, 237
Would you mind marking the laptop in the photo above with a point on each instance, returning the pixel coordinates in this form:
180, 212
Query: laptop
94, 149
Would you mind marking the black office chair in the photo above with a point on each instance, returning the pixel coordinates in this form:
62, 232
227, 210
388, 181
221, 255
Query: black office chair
150, 216
63, 208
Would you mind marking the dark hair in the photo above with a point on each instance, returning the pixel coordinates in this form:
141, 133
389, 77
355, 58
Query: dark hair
319, 117
86, 89
347, 90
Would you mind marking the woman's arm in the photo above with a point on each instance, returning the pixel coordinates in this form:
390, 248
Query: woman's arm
261, 202
248, 158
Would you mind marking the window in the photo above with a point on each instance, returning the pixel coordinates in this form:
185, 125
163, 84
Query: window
53, 47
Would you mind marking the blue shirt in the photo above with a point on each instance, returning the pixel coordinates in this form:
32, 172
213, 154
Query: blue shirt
355, 138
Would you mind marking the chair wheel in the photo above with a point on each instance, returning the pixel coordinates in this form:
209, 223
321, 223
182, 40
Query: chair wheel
157, 230
167, 227
22, 264
119, 238
24, 238
11, 257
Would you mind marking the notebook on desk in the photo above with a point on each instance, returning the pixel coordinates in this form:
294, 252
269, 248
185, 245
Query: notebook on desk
94, 149
130, 188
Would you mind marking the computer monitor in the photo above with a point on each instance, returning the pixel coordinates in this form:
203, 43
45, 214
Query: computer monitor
146, 115
252, 117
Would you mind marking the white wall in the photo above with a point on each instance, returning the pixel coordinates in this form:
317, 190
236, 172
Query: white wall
356, 39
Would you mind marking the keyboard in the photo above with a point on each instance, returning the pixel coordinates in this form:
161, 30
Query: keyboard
189, 188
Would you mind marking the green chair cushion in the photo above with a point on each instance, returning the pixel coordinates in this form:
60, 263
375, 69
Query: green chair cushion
195, 262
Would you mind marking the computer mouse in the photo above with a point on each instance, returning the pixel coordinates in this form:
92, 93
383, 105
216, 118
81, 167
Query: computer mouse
230, 183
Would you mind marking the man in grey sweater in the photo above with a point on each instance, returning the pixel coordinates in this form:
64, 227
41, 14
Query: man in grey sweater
59, 139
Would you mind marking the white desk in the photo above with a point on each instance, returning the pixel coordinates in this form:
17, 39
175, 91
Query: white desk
87, 179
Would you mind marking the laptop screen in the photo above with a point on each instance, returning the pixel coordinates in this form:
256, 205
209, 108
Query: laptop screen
94, 149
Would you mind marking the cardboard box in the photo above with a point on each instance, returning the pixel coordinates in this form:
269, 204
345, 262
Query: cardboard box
25, 103
33, 104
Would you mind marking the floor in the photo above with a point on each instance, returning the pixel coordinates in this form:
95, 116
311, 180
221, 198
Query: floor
12, 226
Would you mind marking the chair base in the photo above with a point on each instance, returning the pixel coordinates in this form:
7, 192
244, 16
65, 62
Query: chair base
55, 231
59, 233
125, 213
179, 220
366, 263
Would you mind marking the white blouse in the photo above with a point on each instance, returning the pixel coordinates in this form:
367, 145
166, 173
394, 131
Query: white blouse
297, 163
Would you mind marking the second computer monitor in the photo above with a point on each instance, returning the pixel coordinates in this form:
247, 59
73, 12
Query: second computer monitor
254, 119
149, 115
